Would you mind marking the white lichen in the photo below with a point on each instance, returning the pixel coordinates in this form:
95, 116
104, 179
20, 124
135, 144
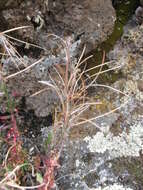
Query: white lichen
77, 163
113, 187
126, 144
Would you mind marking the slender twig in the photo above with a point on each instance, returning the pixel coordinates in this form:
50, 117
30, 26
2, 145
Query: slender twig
27, 68
14, 29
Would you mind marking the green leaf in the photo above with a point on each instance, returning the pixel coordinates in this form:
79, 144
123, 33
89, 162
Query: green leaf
49, 139
39, 177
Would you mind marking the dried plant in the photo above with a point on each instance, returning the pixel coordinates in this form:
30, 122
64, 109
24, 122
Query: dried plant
71, 85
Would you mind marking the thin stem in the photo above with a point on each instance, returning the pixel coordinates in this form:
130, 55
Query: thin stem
27, 68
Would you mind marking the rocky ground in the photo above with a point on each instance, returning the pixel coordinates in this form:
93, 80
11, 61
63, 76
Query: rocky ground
79, 23
111, 158
88, 22
104, 156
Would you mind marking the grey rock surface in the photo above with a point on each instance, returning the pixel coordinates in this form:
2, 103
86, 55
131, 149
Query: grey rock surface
111, 158
5, 4
77, 22
90, 21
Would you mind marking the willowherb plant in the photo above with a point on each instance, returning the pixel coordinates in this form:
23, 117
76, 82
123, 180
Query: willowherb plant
71, 86
71, 91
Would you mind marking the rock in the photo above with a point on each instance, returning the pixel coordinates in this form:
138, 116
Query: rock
91, 21
88, 163
128, 52
117, 146
78, 22
116, 2
113, 187
140, 85
27, 84
139, 14
141, 2
4, 4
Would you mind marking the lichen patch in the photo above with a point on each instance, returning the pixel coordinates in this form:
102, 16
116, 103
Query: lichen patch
126, 144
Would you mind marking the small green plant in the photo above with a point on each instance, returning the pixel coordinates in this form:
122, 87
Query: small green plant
48, 140
10, 100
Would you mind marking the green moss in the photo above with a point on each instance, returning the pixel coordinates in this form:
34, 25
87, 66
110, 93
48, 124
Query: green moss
124, 11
